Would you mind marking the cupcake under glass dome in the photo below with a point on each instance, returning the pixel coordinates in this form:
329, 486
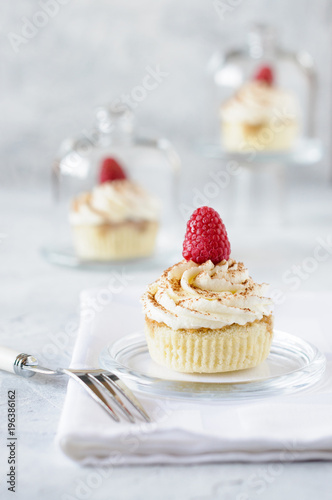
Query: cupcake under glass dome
115, 195
264, 110
288, 96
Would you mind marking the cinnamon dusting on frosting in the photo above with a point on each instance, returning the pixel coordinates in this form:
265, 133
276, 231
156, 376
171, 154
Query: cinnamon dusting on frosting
189, 295
255, 102
114, 202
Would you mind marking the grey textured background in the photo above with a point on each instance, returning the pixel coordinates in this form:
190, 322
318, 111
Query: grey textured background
91, 52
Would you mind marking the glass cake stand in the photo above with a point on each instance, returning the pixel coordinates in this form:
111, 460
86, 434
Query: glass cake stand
257, 185
293, 365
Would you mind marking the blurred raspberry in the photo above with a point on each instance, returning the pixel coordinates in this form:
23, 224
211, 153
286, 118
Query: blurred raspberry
111, 171
265, 74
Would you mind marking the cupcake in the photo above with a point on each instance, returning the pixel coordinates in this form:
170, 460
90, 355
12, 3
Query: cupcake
205, 314
259, 117
117, 220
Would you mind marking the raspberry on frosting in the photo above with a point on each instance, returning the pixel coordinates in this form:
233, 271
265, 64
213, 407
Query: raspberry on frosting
206, 237
265, 74
111, 170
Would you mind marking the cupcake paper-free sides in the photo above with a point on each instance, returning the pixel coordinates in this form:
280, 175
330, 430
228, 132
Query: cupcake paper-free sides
205, 314
116, 220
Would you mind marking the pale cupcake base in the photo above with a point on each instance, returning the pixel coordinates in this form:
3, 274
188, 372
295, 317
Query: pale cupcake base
107, 242
241, 137
233, 347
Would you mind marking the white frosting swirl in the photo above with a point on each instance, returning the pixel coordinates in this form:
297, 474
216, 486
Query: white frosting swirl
256, 103
190, 295
114, 202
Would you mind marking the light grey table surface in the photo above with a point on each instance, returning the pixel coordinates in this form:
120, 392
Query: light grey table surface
38, 299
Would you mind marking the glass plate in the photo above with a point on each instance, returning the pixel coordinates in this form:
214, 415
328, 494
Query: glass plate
306, 152
66, 257
292, 365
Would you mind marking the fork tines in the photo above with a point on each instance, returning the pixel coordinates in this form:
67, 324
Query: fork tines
111, 394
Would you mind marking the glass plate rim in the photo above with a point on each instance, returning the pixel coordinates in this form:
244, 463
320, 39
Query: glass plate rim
295, 156
313, 370
65, 257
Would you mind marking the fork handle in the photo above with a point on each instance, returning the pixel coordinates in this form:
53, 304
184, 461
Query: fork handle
14, 361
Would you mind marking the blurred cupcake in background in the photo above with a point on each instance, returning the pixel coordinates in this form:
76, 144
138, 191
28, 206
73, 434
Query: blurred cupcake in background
117, 220
260, 116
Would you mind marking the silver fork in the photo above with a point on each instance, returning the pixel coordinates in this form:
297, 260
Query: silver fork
103, 386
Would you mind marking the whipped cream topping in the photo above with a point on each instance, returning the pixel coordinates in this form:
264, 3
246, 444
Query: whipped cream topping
190, 295
114, 202
256, 103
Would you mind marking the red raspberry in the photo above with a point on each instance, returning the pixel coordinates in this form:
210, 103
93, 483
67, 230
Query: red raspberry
206, 237
111, 171
265, 74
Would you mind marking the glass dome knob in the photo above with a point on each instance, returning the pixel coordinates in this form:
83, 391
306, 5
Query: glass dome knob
115, 121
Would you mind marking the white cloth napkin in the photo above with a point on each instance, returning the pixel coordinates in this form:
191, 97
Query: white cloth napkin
293, 427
